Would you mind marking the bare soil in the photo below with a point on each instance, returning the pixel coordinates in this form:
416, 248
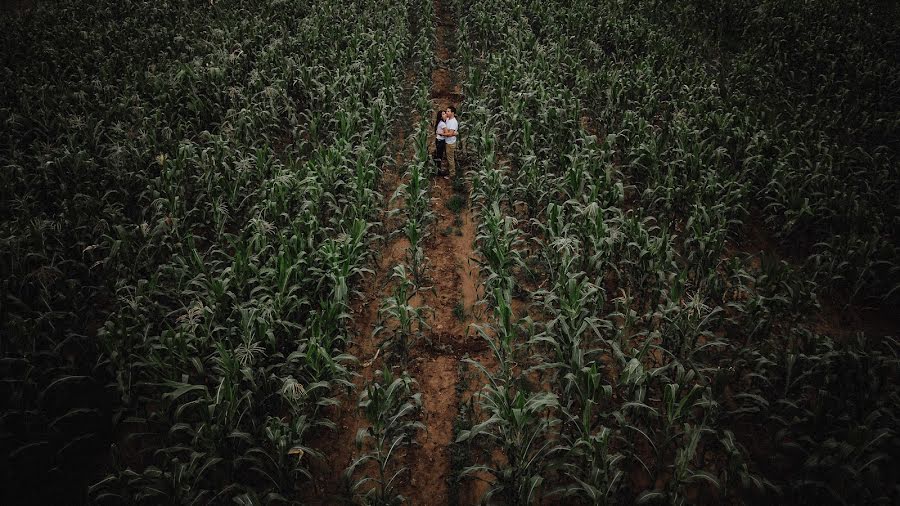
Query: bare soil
339, 446
435, 361
429, 462
454, 271
457, 289
455, 282
840, 321
835, 318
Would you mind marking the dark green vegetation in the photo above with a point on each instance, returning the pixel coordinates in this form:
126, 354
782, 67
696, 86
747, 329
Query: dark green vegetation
189, 194
391, 409
627, 154
189, 198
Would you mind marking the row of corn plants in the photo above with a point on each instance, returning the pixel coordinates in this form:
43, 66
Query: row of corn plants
391, 410
511, 415
390, 404
664, 366
190, 195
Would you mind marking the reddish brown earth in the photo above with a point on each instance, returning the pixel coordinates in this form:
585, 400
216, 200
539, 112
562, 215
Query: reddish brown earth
454, 277
454, 271
436, 364
839, 321
836, 319
435, 361
339, 446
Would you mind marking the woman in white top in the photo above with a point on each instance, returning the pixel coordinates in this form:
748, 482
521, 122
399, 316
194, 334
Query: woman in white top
439, 143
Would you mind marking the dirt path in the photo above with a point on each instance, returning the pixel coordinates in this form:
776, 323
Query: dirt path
436, 364
436, 361
457, 289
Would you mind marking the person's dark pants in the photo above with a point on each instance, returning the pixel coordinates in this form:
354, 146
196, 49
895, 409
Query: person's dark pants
440, 147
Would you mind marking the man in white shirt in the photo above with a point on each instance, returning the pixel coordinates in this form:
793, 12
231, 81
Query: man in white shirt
450, 130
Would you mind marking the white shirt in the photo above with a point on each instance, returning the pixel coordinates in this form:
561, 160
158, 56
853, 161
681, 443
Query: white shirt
440, 127
452, 124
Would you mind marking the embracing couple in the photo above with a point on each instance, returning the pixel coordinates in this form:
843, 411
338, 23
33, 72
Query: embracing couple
445, 129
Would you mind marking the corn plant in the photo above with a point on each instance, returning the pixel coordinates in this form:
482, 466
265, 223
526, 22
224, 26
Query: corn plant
646, 171
217, 255
417, 208
390, 407
507, 336
500, 248
594, 467
401, 323
571, 304
686, 329
519, 424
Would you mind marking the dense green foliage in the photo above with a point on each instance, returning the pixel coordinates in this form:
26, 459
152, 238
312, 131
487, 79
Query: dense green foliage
189, 197
389, 404
624, 157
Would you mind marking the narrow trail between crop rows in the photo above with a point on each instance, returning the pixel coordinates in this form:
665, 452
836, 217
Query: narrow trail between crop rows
436, 361
456, 291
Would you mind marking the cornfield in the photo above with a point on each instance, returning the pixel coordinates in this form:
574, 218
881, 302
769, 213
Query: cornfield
231, 275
